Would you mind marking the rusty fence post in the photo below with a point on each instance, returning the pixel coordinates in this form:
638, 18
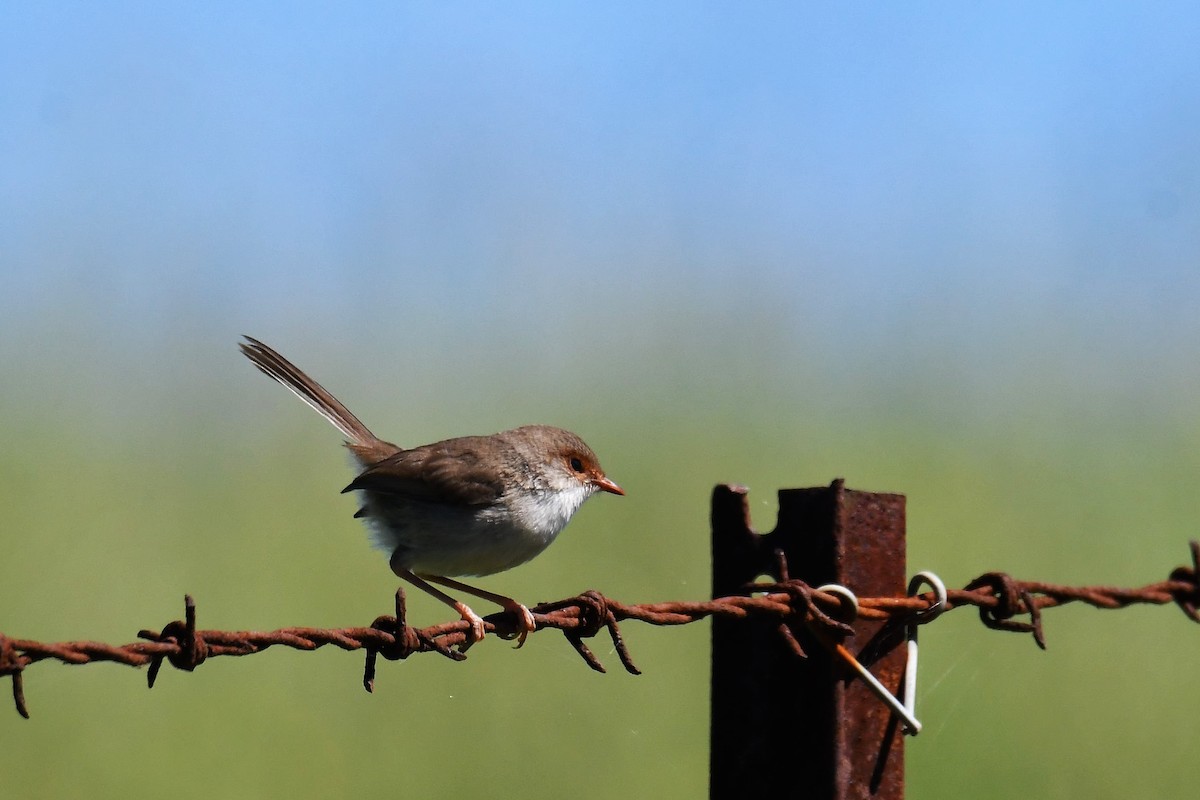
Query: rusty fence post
786, 727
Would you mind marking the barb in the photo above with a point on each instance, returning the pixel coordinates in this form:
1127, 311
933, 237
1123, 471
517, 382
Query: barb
999, 598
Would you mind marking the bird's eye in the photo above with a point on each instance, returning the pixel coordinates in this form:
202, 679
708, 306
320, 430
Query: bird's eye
576, 464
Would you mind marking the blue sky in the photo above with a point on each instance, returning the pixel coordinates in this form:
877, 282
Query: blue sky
850, 167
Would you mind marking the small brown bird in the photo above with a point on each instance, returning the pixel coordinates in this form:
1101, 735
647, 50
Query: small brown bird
469, 506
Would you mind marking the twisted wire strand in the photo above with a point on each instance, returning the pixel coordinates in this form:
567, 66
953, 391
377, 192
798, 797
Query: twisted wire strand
1000, 599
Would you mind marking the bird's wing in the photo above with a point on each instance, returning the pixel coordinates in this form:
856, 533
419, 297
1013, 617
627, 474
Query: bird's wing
445, 472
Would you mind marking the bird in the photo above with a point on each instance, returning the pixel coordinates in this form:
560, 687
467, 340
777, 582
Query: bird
469, 506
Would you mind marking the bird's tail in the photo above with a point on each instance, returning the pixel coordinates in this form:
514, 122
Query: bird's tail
308, 390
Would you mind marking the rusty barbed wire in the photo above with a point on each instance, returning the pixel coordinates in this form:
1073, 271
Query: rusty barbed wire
1000, 598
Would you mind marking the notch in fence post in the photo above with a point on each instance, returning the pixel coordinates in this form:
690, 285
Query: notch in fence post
787, 727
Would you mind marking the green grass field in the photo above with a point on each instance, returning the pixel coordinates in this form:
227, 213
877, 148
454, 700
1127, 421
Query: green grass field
111, 513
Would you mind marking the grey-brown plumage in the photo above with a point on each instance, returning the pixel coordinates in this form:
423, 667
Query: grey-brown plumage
473, 505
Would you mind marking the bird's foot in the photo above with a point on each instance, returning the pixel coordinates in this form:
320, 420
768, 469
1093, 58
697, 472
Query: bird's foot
476, 632
525, 622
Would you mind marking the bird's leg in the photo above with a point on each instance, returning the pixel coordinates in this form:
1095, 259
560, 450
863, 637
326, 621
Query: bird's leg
463, 609
525, 623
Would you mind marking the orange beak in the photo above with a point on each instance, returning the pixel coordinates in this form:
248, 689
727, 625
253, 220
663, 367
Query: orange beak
606, 484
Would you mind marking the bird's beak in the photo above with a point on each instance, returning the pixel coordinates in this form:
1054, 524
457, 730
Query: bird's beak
605, 483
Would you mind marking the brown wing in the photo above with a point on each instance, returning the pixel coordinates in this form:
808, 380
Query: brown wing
444, 472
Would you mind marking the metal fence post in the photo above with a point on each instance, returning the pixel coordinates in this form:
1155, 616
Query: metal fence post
786, 727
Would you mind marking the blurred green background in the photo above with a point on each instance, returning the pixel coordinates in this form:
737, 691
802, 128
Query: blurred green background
943, 251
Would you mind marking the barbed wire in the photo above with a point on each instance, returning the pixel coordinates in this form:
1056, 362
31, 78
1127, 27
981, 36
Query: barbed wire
1000, 598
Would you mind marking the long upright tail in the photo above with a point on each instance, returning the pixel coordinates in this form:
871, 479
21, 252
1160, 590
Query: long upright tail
308, 390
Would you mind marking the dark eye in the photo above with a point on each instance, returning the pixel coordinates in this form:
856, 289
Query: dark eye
576, 464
